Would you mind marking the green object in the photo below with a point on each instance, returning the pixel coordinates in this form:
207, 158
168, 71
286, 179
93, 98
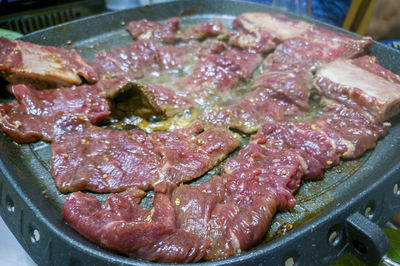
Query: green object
394, 252
10, 34
394, 238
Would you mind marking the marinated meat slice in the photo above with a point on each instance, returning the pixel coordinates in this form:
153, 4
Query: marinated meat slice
293, 85
217, 74
279, 172
229, 227
202, 30
301, 137
213, 74
245, 224
376, 93
350, 129
122, 225
249, 113
31, 116
137, 58
170, 31
262, 32
43, 66
233, 211
151, 30
86, 157
338, 44
311, 52
148, 100
210, 46
248, 61
189, 153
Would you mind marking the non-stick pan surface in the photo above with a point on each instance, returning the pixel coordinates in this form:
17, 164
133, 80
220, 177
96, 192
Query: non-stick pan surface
312, 233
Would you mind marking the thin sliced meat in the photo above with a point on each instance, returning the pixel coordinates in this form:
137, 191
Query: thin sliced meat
337, 44
301, 137
311, 53
187, 153
233, 211
86, 157
138, 58
213, 74
293, 85
248, 61
151, 30
202, 30
170, 32
249, 113
279, 171
31, 116
230, 228
120, 224
376, 93
351, 130
217, 74
210, 46
43, 66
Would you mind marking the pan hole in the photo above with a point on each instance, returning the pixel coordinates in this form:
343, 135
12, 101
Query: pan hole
334, 235
359, 247
289, 261
34, 235
370, 210
10, 204
291, 258
396, 190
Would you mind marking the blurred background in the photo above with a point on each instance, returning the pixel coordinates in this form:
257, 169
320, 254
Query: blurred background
378, 18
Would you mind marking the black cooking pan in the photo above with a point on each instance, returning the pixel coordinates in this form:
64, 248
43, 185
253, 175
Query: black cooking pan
338, 214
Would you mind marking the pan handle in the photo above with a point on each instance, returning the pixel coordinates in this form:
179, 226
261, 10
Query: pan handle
367, 240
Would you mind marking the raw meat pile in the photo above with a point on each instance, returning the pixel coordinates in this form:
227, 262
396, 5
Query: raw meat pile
67, 100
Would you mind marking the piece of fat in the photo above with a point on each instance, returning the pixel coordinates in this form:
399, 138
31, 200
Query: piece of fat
341, 80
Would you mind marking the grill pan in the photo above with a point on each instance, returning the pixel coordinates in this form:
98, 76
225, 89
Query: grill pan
341, 213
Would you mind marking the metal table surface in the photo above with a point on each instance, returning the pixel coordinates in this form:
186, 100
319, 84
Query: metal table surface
11, 252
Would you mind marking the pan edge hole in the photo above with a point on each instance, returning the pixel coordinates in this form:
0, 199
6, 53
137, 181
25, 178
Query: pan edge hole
334, 235
291, 258
369, 210
10, 204
396, 191
34, 235
289, 261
